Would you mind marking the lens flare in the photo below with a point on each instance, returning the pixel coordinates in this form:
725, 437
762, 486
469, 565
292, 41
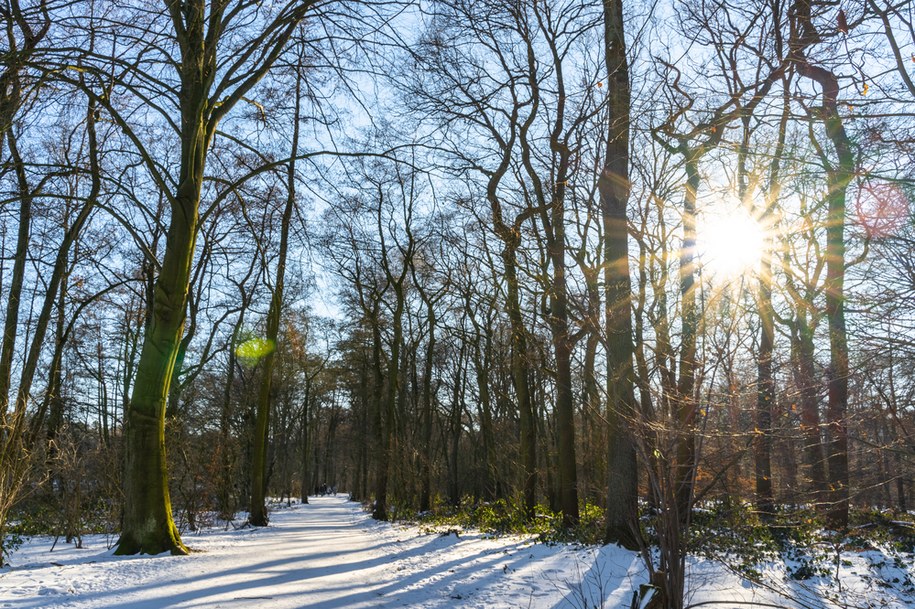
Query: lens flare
882, 208
729, 242
254, 349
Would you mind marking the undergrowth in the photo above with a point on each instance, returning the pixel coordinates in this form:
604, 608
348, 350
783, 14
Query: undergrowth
728, 531
507, 517
733, 533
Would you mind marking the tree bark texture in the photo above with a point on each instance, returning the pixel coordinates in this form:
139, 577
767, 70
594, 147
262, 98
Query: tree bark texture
614, 187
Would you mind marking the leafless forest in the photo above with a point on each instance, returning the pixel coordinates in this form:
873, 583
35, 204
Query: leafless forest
616, 261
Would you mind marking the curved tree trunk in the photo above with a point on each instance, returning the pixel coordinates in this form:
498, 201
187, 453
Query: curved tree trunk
839, 173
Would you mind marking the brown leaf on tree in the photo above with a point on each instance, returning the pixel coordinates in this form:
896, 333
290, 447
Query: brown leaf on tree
842, 22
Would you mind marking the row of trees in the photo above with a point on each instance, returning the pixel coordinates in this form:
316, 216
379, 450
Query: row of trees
508, 201
741, 385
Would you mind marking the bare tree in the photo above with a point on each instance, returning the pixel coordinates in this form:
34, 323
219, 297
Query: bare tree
209, 72
614, 187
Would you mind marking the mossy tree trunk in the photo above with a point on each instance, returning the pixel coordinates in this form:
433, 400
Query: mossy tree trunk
199, 26
148, 525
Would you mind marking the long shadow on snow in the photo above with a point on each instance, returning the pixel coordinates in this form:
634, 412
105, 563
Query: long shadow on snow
360, 590
369, 580
613, 574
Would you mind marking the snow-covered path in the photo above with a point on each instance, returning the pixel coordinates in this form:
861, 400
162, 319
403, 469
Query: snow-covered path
324, 555
330, 554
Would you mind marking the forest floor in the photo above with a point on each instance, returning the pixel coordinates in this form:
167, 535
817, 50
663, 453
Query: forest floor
329, 554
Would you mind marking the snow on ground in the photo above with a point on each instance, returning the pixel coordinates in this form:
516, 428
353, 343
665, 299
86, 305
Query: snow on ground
329, 554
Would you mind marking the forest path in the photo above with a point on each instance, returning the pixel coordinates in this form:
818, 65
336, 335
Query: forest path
324, 555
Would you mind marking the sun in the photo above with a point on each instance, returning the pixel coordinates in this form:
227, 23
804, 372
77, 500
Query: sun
729, 242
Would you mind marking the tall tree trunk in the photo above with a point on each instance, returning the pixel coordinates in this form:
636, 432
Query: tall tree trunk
225, 502
838, 176
765, 400
551, 203
765, 381
481, 364
305, 428
521, 382
802, 348
562, 347
148, 524
509, 235
380, 511
685, 400
564, 407
362, 480
379, 423
425, 494
11, 323
643, 380
455, 425
198, 29
258, 509
614, 186
837, 402
594, 439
